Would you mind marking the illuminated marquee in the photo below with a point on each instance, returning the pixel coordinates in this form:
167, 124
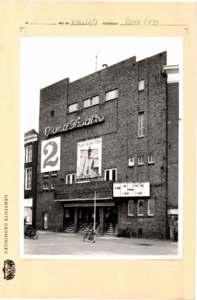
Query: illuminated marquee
73, 124
131, 189
89, 158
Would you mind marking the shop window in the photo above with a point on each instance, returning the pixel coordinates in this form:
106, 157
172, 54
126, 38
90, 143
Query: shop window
28, 154
28, 178
151, 207
111, 95
140, 207
46, 174
140, 160
45, 186
130, 207
91, 101
151, 159
111, 174
141, 85
54, 173
70, 178
72, 107
141, 124
52, 185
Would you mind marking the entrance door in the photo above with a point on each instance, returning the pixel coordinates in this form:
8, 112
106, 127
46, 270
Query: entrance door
111, 214
87, 214
68, 215
111, 220
45, 221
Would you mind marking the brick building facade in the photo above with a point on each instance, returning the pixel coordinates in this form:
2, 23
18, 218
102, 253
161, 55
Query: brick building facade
108, 127
30, 174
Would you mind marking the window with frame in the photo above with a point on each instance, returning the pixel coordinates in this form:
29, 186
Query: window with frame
141, 124
45, 186
140, 207
70, 178
131, 162
151, 159
141, 85
151, 207
54, 173
140, 160
46, 174
91, 101
111, 95
28, 177
72, 107
52, 185
110, 175
130, 207
29, 154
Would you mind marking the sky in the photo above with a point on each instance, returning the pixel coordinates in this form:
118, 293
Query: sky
46, 60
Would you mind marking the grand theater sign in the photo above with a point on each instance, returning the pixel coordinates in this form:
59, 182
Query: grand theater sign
74, 124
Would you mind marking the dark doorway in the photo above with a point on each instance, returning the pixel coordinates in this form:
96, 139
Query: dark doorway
111, 214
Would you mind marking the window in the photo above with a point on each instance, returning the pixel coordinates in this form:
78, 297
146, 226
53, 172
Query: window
70, 178
52, 113
28, 153
28, 215
54, 173
130, 207
131, 162
111, 95
140, 207
45, 186
141, 85
28, 178
91, 101
46, 174
140, 160
52, 185
140, 124
151, 207
111, 174
72, 107
151, 159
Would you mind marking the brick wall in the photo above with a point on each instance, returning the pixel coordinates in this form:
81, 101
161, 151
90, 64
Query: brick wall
172, 144
119, 131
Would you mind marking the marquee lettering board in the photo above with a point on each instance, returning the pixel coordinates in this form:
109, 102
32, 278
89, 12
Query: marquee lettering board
50, 155
131, 189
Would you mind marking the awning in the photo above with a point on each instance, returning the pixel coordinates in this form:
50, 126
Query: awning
85, 199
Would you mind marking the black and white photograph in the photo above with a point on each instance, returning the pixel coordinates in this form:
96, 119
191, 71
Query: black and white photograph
101, 147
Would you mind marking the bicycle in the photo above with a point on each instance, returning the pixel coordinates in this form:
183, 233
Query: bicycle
129, 232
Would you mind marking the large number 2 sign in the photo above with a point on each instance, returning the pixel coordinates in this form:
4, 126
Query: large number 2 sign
50, 155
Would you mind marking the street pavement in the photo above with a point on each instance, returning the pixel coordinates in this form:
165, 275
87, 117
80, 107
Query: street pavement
53, 243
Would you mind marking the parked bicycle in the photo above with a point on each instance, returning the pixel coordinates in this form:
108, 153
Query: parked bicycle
90, 236
30, 232
129, 232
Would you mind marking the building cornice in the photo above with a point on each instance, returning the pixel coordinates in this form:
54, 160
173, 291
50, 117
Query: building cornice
172, 73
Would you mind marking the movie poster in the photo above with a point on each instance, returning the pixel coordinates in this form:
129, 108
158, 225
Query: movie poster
89, 158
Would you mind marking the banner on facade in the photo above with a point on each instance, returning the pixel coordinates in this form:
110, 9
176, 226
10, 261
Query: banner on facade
89, 158
50, 155
129, 189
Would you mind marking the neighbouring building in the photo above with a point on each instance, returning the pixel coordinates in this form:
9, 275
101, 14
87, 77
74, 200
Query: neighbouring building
30, 176
110, 136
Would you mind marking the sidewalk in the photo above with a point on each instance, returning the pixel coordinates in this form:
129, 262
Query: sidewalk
53, 243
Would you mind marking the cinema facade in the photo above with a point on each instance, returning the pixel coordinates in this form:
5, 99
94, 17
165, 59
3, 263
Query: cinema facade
110, 137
